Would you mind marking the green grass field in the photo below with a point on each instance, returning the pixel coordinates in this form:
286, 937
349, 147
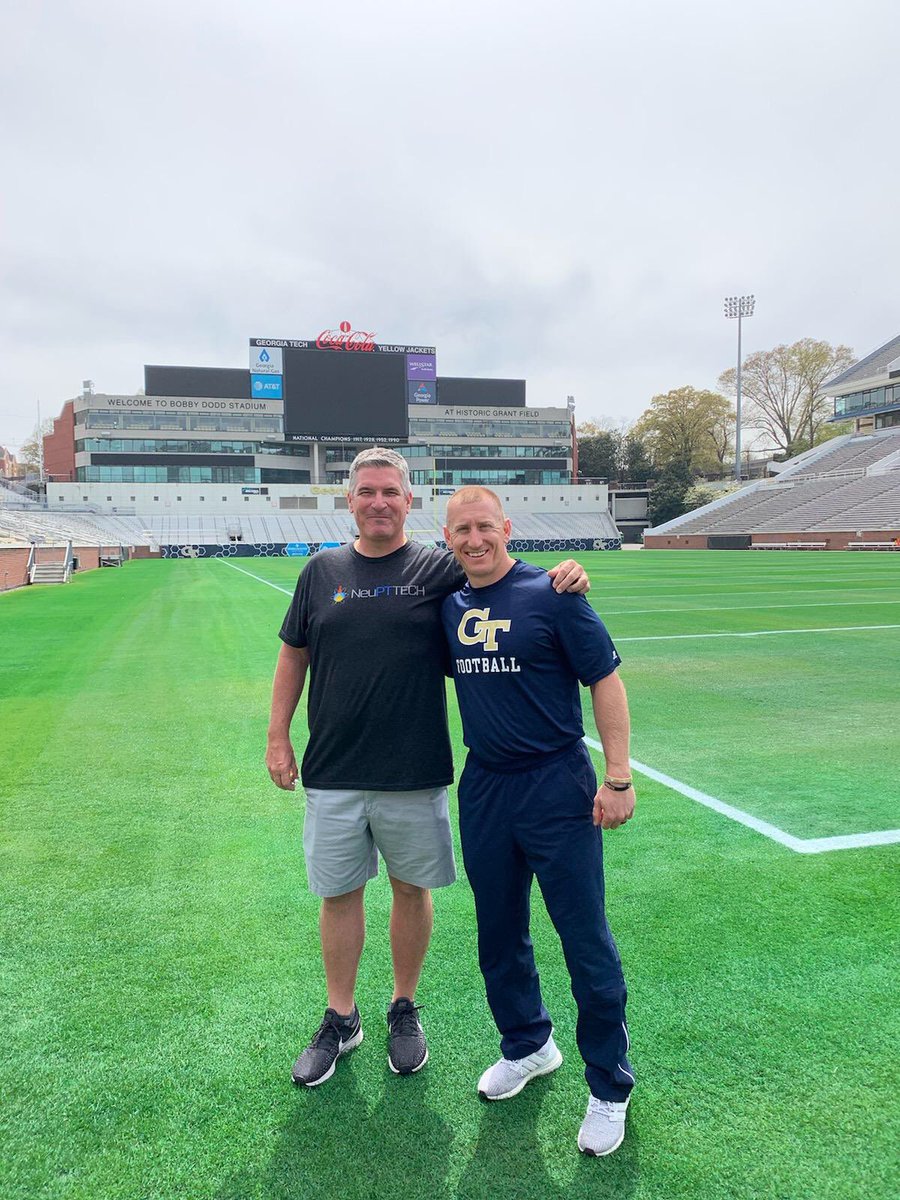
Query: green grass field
160, 964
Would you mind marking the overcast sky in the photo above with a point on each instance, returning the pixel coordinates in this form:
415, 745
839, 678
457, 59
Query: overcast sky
562, 192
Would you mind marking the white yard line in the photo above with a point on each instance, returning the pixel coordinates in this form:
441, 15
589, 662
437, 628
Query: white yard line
620, 598
679, 637
800, 845
268, 582
848, 841
633, 612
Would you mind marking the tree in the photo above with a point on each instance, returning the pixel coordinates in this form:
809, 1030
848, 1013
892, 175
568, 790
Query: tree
667, 496
613, 454
783, 389
697, 495
588, 429
636, 466
30, 452
722, 433
681, 426
598, 456
838, 429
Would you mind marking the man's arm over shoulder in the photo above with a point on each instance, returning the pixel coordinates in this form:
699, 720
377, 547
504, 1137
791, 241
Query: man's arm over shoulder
570, 576
287, 688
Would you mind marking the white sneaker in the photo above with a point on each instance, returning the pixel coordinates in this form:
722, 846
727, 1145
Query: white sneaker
603, 1127
507, 1077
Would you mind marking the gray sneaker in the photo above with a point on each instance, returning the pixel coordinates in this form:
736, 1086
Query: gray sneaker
507, 1077
603, 1127
407, 1048
335, 1036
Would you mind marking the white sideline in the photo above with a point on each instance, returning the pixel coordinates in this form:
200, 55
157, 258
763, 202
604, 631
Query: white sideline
287, 591
633, 612
680, 637
849, 841
683, 595
800, 845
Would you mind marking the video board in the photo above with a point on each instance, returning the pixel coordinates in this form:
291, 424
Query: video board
342, 385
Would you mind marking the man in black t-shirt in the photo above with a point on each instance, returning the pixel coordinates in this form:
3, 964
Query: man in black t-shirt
365, 624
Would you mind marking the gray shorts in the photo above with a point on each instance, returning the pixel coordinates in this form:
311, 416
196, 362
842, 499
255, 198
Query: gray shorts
344, 831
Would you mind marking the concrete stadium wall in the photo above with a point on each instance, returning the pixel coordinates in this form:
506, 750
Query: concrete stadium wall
663, 541
14, 560
13, 566
832, 540
229, 500
306, 549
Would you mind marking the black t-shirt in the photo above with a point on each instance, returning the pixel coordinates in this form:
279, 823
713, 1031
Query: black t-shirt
377, 705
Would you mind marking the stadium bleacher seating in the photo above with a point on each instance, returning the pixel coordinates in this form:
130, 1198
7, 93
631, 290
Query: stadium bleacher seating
99, 529
87, 529
852, 487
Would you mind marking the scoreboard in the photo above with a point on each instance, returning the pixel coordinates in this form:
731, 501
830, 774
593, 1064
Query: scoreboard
342, 385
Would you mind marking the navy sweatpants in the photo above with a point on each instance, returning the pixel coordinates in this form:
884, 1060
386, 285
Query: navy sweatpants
538, 822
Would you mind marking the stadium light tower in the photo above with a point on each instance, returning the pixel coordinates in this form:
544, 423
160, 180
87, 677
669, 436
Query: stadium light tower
740, 307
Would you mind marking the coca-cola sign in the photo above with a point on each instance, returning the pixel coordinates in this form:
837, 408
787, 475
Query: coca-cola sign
345, 338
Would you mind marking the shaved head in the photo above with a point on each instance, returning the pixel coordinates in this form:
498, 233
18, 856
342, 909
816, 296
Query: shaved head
474, 494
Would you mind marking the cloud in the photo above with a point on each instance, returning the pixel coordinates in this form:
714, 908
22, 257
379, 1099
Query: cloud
563, 194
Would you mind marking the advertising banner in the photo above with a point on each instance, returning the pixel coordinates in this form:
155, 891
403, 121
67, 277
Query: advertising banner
421, 366
266, 386
422, 393
266, 360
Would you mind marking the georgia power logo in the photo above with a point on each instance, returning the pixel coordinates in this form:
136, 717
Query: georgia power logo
340, 595
483, 630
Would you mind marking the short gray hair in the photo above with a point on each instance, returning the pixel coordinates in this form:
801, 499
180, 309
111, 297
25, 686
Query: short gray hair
379, 456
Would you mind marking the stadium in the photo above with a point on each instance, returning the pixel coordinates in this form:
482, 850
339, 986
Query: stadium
231, 462
160, 956
843, 494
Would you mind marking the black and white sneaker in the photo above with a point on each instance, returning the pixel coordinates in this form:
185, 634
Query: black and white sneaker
336, 1035
407, 1049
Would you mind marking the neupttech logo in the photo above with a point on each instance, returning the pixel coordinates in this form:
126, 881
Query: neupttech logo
377, 593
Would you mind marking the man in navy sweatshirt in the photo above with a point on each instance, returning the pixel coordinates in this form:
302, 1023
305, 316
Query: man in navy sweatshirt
529, 806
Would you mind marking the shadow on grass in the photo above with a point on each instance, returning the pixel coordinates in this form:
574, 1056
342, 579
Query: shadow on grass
510, 1157
334, 1145
337, 1144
